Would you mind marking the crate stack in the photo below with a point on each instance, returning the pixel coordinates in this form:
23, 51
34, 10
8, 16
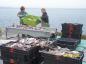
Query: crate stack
70, 30
15, 56
71, 36
66, 43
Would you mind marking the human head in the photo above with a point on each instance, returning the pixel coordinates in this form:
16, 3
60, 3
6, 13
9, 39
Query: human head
22, 8
43, 10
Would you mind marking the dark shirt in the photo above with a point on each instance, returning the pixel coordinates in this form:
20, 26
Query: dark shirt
45, 17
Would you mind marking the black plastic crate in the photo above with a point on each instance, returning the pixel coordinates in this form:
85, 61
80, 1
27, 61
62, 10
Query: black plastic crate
8, 62
74, 36
50, 59
71, 30
78, 60
24, 60
31, 61
19, 55
66, 42
74, 31
54, 59
74, 24
7, 52
15, 62
16, 54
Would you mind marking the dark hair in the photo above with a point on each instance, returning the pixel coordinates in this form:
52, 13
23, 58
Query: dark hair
43, 10
22, 8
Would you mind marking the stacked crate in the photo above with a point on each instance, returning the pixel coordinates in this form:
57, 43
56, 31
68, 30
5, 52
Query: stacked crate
70, 30
71, 36
15, 56
66, 42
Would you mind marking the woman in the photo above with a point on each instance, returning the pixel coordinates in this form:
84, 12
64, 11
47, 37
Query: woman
44, 18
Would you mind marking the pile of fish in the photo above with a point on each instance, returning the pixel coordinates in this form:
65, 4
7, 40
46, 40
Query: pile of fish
27, 43
29, 27
65, 52
33, 28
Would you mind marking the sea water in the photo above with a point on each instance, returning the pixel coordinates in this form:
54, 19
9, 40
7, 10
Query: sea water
57, 16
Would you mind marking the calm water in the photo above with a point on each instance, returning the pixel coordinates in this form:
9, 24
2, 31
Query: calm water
8, 16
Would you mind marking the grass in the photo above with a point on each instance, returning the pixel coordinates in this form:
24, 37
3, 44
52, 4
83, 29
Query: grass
84, 37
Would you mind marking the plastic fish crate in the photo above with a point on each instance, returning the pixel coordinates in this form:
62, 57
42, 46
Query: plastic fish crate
74, 24
78, 60
74, 36
8, 53
30, 61
71, 30
15, 62
66, 42
54, 59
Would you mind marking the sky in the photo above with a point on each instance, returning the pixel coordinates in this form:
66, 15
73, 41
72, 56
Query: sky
44, 3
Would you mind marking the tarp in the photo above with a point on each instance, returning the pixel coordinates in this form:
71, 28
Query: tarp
31, 20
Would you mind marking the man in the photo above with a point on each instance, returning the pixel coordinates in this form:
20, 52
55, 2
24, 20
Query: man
44, 18
22, 14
